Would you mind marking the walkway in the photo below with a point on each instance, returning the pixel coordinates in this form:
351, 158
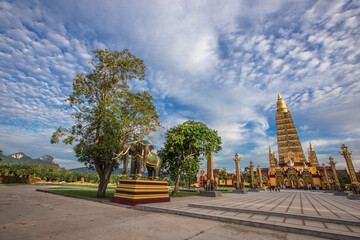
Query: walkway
312, 213
29, 214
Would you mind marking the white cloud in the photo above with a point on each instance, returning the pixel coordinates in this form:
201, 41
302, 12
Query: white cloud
220, 63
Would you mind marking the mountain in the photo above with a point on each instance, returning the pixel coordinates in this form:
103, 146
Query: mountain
20, 157
83, 170
86, 170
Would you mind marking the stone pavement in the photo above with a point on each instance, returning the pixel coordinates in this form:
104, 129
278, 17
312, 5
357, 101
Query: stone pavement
313, 213
29, 214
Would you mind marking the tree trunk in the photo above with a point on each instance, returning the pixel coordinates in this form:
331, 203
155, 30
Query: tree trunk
104, 180
102, 186
174, 193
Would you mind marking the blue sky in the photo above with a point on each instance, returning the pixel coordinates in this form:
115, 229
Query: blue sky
219, 62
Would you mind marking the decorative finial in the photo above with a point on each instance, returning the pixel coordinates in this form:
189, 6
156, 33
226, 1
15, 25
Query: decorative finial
270, 151
311, 147
279, 96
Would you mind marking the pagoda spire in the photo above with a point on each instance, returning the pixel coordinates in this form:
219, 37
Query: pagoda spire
313, 161
281, 106
289, 145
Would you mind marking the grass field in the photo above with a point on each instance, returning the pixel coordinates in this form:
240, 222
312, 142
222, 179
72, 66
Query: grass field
11, 184
85, 193
95, 187
91, 192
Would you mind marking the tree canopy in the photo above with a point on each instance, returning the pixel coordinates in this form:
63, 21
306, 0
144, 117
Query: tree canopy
185, 144
106, 113
222, 175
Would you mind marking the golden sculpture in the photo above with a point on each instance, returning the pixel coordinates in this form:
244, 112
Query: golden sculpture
349, 164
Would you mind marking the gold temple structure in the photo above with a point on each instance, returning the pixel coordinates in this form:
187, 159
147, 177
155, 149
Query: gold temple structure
292, 169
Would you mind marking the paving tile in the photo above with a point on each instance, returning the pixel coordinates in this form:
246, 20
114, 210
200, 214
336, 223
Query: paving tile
338, 227
356, 229
293, 221
275, 219
258, 217
230, 213
316, 224
243, 215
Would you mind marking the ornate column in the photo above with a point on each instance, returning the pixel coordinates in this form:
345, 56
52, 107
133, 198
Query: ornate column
252, 174
332, 164
260, 177
349, 164
210, 174
326, 176
210, 184
238, 177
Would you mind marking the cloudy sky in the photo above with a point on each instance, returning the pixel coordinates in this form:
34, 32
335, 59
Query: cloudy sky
219, 62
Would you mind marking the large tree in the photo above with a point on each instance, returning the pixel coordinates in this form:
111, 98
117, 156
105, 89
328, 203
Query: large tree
106, 113
186, 142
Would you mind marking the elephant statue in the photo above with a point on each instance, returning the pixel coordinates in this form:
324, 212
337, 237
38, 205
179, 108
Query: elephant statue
153, 166
141, 158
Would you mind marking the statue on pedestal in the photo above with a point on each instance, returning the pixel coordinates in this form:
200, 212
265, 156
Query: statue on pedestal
141, 158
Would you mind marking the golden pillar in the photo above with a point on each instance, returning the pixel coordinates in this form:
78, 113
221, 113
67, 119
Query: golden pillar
210, 185
349, 164
238, 177
252, 174
332, 164
326, 176
260, 177
210, 174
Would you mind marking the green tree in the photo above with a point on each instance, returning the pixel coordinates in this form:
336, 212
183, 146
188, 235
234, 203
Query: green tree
248, 178
187, 142
344, 178
107, 114
191, 168
222, 175
1, 154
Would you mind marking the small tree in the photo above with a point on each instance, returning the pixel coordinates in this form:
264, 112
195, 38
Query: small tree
344, 178
106, 113
248, 178
186, 142
222, 175
191, 167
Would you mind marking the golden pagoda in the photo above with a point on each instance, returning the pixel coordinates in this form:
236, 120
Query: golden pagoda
292, 169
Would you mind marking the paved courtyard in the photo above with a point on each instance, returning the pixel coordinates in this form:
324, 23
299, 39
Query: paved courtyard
309, 212
29, 214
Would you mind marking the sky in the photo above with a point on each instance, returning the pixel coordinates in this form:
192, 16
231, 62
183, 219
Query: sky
219, 62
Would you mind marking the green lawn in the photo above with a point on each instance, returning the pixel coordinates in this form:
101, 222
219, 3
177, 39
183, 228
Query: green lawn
85, 193
91, 193
12, 184
95, 187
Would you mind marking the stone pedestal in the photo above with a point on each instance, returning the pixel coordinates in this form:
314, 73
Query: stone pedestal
353, 197
242, 191
133, 192
210, 194
341, 193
